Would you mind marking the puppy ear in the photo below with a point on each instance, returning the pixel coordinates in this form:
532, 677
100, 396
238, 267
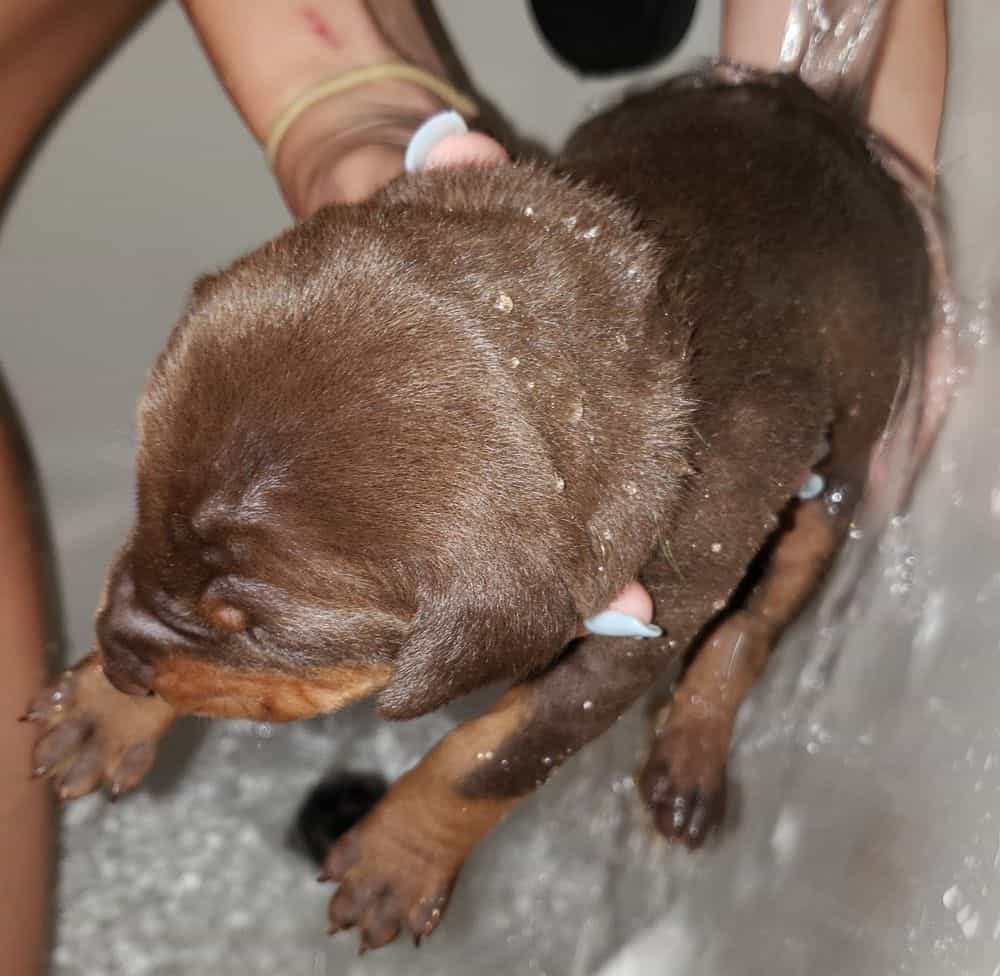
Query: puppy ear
467, 636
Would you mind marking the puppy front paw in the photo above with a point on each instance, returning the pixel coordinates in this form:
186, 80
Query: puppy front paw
389, 880
91, 733
684, 779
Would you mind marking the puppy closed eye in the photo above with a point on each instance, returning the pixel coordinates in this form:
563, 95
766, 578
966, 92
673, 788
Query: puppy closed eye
225, 616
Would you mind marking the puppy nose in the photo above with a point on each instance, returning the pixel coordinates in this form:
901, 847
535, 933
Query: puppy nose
128, 634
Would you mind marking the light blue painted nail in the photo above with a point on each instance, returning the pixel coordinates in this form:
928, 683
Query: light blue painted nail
812, 487
436, 128
614, 623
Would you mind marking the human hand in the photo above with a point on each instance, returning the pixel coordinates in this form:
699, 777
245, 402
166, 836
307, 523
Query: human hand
345, 148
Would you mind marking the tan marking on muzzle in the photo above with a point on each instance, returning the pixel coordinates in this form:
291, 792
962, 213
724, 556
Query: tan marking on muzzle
200, 688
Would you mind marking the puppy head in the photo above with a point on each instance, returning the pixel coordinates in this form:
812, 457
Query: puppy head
341, 487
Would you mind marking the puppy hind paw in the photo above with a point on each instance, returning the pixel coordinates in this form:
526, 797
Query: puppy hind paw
684, 784
381, 892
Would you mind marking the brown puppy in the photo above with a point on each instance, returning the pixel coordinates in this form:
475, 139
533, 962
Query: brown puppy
403, 449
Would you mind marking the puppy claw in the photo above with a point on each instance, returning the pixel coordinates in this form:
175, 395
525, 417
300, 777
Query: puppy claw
343, 910
426, 915
135, 763
680, 812
698, 825
341, 857
83, 776
61, 742
382, 920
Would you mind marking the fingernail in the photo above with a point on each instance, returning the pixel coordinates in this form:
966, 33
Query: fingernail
614, 623
812, 487
436, 128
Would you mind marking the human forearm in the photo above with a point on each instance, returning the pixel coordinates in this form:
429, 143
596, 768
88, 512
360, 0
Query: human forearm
908, 82
25, 807
347, 145
47, 47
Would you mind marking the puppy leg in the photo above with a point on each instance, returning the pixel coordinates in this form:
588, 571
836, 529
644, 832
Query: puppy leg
684, 780
94, 734
396, 868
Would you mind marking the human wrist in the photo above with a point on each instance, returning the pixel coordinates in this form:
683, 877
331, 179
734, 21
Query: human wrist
346, 146
276, 57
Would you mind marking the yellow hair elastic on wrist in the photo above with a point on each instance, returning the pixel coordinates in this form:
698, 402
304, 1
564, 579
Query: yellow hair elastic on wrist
353, 79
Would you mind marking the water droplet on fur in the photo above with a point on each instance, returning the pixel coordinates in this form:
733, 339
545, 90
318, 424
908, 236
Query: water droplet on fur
588, 705
590, 233
560, 484
569, 222
515, 362
504, 303
631, 489
529, 211
716, 547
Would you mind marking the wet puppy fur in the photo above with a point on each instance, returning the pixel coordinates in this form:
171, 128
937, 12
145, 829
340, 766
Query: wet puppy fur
402, 449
